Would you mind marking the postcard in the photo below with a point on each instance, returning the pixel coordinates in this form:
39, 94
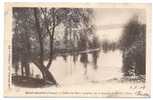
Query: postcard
77, 50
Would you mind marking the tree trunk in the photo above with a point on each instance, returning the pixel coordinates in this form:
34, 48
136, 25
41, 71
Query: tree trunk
51, 35
37, 23
16, 66
47, 76
22, 69
27, 69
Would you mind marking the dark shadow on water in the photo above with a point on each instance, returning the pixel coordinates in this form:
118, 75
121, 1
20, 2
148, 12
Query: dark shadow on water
29, 82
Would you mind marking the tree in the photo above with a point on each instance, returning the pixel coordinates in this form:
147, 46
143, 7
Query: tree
94, 44
21, 41
86, 33
105, 46
34, 35
47, 76
132, 43
30, 31
78, 31
15, 54
84, 56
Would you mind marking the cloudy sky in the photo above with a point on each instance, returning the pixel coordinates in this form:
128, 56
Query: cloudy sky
110, 21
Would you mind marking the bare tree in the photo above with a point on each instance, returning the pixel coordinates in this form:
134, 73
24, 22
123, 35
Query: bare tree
34, 36
40, 62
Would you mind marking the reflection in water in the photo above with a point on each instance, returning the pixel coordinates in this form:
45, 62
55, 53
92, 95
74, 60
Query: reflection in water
84, 61
65, 70
109, 67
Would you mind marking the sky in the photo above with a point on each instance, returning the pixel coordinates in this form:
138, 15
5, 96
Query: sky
110, 21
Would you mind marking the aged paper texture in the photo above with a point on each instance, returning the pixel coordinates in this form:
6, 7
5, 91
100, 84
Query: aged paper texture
77, 50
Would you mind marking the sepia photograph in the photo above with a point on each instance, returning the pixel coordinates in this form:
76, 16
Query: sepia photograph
77, 50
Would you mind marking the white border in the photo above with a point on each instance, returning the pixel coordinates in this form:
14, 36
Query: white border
82, 1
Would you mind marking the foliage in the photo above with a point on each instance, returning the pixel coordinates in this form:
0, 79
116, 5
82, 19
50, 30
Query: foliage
35, 37
132, 44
